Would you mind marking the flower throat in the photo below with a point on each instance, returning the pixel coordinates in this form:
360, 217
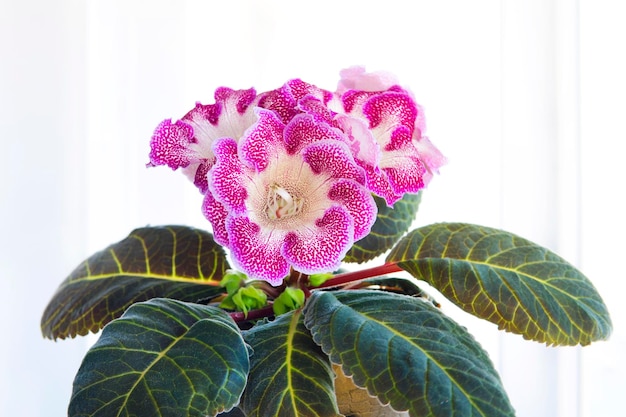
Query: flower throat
281, 204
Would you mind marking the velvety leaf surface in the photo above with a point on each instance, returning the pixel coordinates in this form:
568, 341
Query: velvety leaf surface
508, 280
391, 223
396, 285
407, 353
169, 261
163, 358
289, 375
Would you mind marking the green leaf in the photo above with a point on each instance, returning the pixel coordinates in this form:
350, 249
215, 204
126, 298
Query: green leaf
289, 374
498, 276
398, 286
391, 223
163, 358
407, 353
170, 261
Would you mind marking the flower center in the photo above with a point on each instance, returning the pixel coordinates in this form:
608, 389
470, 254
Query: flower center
281, 204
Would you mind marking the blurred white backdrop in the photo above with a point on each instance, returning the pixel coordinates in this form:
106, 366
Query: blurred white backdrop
524, 98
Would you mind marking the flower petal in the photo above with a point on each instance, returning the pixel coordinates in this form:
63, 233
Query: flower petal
403, 162
256, 253
318, 109
229, 117
387, 110
356, 78
226, 180
359, 202
173, 145
216, 214
262, 140
305, 129
353, 101
197, 173
300, 89
378, 182
280, 101
334, 159
405, 173
285, 100
188, 143
239, 100
362, 143
431, 156
320, 249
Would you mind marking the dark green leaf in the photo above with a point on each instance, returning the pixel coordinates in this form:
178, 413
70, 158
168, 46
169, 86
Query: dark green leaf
398, 286
170, 261
163, 358
407, 353
289, 374
391, 223
508, 280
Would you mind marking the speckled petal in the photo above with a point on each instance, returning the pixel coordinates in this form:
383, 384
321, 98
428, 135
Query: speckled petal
334, 159
227, 179
280, 101
318, 249
256, 253
318, 109
405, 173
263, 140
387, 110
300, 89
285, 100
173, 144
378, 182
238, 100
216, 214
229, 117
188, 143
359, 202
353, 101
304, 129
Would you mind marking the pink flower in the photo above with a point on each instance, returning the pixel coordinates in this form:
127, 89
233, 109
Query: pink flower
287, 196
288, 175
386, 124
286, 100
187, 143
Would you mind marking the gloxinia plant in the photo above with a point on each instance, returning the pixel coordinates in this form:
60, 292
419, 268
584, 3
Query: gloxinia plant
261, 317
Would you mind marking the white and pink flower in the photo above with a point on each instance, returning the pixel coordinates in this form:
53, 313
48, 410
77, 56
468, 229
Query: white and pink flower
385, 119
188, 143
288, 196
289, 175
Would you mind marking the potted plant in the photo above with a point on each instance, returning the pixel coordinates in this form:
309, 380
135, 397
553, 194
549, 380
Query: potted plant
261, 317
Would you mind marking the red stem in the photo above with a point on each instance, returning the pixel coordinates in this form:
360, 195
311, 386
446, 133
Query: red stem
353, 276
239, 316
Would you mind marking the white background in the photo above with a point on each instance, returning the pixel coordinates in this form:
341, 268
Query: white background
525, 98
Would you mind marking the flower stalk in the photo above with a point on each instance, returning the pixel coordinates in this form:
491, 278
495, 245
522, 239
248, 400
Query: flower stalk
359, 275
